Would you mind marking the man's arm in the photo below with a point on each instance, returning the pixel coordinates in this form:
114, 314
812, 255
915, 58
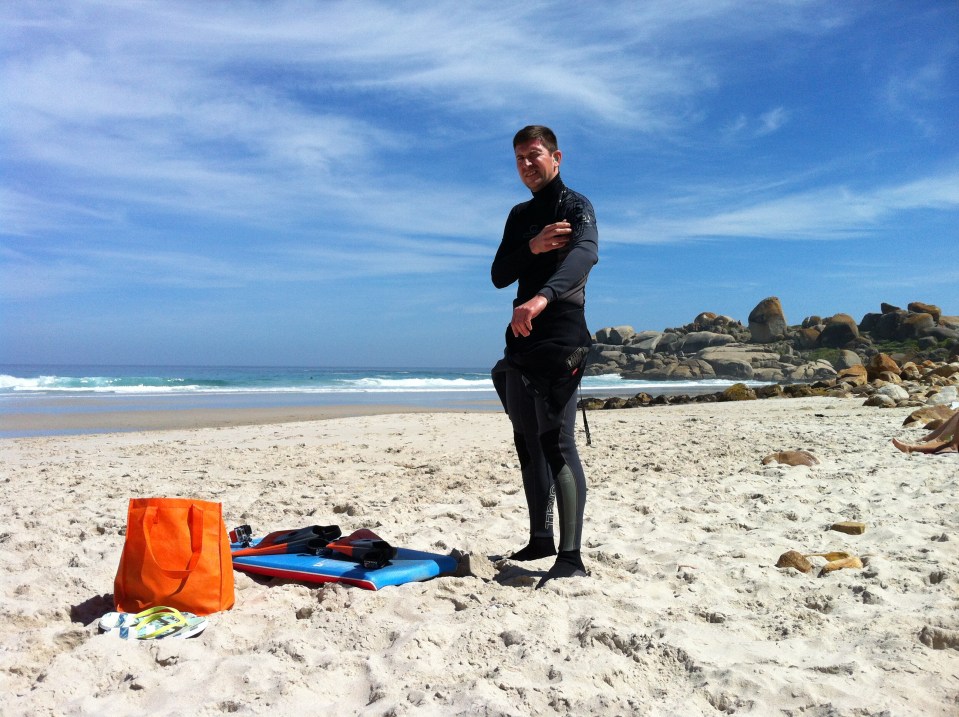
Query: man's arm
508, 264
523, 315
583, 254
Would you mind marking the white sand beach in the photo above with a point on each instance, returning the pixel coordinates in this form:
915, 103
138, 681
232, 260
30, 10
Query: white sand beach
684, 612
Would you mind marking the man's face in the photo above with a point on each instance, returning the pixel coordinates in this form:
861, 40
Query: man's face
535, 164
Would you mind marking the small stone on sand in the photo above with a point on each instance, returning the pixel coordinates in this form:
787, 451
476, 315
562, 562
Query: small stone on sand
794, 559
852, 562
850, 527
791, 458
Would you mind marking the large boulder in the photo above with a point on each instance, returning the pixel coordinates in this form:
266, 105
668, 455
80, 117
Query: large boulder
853, 375
614, 357
808, 337
910, 372
690, 369
917, 307
889, 325
668, 342
813, 371
767, 322
738, 392
646, 341
896, 393
881, 363
707, 320
840, 331
940, 333
738, 360
755, 355
945, 370
704, 320
880, 400
658, 368
847, 359
869, 323
699, 340
615, 335
732, 368
915, 325
768, 374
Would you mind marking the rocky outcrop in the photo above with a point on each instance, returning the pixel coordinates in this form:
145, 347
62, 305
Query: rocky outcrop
934, 391
768, 350
919, 321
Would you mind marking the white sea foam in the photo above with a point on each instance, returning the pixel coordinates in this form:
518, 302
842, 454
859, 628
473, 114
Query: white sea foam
317, 383
418, 384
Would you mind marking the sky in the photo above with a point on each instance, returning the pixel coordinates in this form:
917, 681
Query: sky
326, 183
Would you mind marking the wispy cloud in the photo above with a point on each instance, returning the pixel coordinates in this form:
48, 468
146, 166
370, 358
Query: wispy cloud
744, 126
772, 120
908, 94
249, 112
227, 147
828, 213
95, 266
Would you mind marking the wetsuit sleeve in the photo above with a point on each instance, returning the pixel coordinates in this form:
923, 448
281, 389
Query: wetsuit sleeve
573, 270
512, 258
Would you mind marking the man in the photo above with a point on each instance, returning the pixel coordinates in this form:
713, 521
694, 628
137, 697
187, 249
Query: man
549, 246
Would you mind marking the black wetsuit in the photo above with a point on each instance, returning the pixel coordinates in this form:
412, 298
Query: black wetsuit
538, 377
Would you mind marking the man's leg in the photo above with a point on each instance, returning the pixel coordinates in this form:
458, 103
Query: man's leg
537, 480
948, 433
559, 446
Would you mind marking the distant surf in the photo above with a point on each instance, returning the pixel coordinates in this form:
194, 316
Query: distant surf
25, 380
60, 390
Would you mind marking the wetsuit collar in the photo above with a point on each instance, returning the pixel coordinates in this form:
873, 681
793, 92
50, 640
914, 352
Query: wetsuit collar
551, 190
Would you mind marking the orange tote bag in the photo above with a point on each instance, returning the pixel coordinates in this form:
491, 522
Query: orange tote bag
176, 554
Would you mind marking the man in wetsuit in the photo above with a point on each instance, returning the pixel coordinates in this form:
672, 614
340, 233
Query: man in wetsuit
549, 246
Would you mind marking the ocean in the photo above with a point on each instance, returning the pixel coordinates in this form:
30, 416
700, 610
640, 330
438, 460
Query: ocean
26, 389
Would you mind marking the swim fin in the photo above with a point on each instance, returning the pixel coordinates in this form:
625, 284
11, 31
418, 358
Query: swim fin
304, 540
310, 546
326, 532
364, 547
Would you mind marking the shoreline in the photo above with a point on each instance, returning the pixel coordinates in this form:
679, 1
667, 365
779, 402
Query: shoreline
35, 415
30, 425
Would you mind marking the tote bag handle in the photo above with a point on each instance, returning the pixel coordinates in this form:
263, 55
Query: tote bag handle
196, 541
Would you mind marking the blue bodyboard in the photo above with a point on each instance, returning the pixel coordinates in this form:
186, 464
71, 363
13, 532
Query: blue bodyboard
408, 566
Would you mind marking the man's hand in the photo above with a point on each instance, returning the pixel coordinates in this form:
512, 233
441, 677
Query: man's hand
554, 236
523, 315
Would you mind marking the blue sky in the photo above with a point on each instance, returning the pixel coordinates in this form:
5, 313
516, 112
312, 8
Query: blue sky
294, 183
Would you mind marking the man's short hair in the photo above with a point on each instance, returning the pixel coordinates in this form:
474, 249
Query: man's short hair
536, 131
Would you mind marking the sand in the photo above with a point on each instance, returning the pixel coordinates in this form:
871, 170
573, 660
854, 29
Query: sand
684, 612
56, 420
